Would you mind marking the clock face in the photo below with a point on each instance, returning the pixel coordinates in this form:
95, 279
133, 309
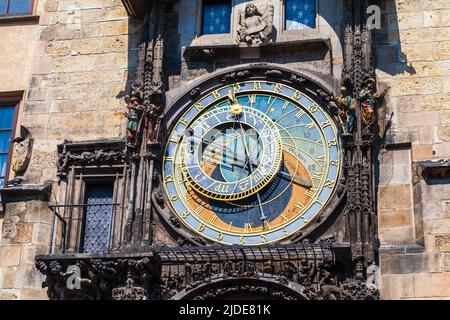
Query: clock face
251, 163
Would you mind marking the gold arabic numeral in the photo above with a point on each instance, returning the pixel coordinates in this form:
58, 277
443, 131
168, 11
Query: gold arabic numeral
257, 85
199, 210
313, 108
285, 232
168, 179
300, 114
325, 124
278, 87
248, 227
242, 240
216, 94
185, 214
332, 143
266, 225
334, 163
285, 105
219, 236
304, 219
329, 184
174, 198
201, 228
263, 238
297, 95
199, 106
236, 88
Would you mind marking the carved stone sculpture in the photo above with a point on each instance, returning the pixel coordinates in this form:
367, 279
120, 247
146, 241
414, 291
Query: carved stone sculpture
23, 147
255, 27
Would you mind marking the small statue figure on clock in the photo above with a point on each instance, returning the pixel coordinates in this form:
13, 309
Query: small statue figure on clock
370, 100
346, 111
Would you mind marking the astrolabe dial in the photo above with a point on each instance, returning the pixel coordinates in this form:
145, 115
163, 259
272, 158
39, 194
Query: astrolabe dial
231, 152
251, 163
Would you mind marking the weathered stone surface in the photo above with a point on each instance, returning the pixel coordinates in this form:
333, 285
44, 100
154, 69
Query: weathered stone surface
395, 197
443, 243
10, 255
410, 263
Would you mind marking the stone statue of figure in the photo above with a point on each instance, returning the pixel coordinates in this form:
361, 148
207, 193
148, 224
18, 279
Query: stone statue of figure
255, 27
369, 99
346, 111
135, 117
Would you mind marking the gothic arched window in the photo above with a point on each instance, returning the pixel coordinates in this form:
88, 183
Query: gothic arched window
216, 16
300, 14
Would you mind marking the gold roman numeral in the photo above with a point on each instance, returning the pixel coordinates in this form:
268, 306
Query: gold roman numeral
300, 114
248, 227
300, 206
199, 210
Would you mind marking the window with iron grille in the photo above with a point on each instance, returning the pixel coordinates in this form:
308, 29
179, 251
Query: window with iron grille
7, 115
98, 217
216, 16
300, 14
16, 7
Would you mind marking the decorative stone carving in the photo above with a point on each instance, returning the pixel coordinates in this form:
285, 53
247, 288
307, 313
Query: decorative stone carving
23, 147
254, 26
82, 154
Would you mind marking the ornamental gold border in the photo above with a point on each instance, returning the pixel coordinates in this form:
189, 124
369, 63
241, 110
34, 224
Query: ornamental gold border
261, 185
192, 105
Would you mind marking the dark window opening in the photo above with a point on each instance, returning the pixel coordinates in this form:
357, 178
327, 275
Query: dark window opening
216, 16
97, 217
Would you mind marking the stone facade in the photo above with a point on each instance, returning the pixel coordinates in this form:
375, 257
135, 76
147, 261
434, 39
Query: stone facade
74, 68
77, 64
413, 58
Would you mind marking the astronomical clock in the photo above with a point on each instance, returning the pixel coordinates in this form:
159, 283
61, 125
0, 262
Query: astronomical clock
251, 162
